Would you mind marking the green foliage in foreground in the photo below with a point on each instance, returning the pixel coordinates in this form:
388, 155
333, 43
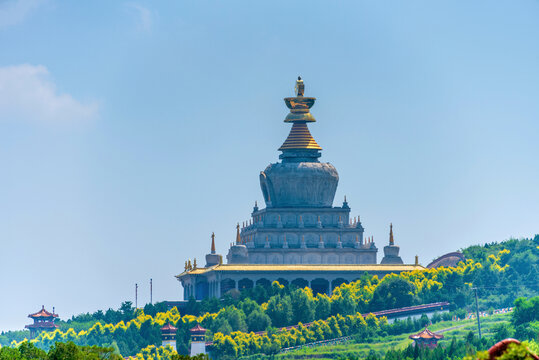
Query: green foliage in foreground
60, 351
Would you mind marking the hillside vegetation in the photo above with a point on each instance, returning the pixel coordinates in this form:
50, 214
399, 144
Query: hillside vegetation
496, 270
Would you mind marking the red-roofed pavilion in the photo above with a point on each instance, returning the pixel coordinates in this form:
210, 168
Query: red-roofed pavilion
168, 335
43, 321
426, 338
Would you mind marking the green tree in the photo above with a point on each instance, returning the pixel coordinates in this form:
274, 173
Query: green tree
279, 310
258, 321
395, 292
322, 307
303, 308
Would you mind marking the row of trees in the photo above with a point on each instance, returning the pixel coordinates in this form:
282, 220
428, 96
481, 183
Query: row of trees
285, 307
466, 349
264, 309
59, 351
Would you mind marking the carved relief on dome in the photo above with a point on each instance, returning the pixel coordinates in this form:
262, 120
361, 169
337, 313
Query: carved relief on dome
309, 219
311, 240
292, 240
331, 259
349, 240
292, 259
313, 259
330, 240
276, 259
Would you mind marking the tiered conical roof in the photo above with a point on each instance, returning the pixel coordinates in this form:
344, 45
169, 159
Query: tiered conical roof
300, 137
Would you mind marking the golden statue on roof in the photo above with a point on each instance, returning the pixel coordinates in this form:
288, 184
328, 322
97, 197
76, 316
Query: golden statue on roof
300, 87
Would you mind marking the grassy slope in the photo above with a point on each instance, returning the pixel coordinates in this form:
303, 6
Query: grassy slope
381, 345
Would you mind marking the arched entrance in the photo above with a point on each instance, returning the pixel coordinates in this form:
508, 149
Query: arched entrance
283, 282
300, 283
265, 283
245, 284
320, 286
337, 282
227, 285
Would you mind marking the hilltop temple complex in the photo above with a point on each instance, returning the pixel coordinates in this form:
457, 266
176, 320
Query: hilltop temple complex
299, 238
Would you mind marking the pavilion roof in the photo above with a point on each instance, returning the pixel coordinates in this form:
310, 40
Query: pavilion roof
426, 334
197, 328
168, 327
42, 314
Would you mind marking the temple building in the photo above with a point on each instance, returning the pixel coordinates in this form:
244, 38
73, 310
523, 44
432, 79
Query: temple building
43, 321
426, 338
300, 237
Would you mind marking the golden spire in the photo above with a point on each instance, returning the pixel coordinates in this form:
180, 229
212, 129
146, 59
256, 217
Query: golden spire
417, 260
299, 137
213, 243
194, 263
391, 241
189, 267
186, 267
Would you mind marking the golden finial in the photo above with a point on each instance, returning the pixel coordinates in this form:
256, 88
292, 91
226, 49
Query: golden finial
300, 87
213, 243
189, 267
186, 268
194, 263
391, 241
417, 260
238, 237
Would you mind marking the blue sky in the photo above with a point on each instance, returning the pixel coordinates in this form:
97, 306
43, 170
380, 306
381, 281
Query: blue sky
130, 131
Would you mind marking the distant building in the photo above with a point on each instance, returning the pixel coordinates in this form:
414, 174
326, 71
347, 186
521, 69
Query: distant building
426, 338
391, 251
451, 259
168, 336
43, 321
299, 238
198, 340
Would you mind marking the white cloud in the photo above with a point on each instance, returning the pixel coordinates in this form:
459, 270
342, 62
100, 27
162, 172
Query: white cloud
144, 16
14, 11
27, 92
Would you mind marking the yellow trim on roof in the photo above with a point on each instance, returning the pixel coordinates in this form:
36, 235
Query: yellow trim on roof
304, 267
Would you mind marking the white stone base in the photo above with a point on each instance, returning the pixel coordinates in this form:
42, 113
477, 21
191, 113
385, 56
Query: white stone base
198, 347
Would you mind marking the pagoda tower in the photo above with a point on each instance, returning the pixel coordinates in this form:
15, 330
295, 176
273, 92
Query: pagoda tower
300, 224
198, 340
426, 338
43, 321
391, 251
168, 336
